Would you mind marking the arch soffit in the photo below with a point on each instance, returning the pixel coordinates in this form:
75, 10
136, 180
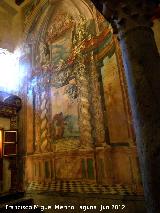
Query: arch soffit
46, 14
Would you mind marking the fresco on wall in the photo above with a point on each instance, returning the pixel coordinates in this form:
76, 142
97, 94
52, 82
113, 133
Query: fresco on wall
29, 8
113, 94
64, 35
61, 23
59, 37
61, 48
64, 113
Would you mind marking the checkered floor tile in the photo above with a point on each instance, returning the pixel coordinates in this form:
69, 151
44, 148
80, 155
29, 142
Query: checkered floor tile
79, 187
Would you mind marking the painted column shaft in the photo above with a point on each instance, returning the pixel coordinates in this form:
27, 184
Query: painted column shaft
100, 136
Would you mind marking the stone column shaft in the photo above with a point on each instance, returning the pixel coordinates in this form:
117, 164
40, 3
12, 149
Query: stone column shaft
142, 69
132, 21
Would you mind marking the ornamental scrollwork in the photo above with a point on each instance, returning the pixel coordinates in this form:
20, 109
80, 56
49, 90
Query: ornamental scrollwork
72, 91
61, 23
43, 54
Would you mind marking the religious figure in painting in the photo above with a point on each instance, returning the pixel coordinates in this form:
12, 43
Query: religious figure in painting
58, 125
64, 109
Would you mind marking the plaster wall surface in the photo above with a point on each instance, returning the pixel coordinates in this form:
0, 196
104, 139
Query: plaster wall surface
117, 121
10, 27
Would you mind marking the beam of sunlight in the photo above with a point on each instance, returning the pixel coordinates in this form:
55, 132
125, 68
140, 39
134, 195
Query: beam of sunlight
9, 71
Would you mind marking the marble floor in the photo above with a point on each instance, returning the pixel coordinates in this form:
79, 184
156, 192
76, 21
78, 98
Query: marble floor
79, 187
75, 196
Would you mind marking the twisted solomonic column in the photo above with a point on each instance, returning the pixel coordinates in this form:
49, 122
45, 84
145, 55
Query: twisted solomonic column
132, 20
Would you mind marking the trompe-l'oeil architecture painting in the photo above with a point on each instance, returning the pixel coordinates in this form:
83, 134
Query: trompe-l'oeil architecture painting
78, 122
75, 123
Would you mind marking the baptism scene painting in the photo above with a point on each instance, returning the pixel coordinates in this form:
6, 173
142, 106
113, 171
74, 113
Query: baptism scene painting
64, 108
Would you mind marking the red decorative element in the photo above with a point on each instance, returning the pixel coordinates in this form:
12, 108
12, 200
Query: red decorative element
86, 45
89, 44
70, 61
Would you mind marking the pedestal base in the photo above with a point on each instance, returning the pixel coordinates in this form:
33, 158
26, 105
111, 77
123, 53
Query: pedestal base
103, 166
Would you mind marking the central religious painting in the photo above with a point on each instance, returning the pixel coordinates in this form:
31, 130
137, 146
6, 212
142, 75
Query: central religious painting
64, 111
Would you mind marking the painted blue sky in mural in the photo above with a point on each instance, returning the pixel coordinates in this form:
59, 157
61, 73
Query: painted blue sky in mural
61, 49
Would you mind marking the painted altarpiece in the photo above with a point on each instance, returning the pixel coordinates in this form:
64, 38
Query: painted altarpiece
73, 107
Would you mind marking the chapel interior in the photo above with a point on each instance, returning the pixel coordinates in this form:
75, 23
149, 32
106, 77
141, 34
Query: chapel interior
79, 105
